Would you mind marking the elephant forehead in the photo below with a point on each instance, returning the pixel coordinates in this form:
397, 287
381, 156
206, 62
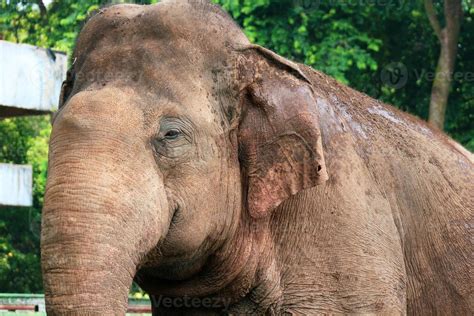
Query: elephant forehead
176, 23
153, 76
150, 65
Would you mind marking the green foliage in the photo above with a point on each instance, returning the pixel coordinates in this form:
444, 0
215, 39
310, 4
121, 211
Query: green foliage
23, 141
329, 40
57, 29
19, 251
353, 41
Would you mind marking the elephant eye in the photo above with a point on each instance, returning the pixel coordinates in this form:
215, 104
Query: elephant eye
173, 139
172, 134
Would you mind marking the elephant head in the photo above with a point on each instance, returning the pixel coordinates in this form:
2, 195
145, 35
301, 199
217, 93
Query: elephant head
174, 136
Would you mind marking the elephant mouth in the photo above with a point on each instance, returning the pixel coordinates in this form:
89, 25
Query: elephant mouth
174, 219
171, 277
170, 271
159, 264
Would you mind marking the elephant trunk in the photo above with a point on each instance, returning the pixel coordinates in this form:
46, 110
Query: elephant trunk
86, 267
103, 212
76, 283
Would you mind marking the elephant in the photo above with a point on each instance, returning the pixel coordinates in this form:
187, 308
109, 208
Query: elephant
225, 179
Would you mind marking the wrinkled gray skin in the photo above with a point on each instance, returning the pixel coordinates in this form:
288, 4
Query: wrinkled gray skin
216, 172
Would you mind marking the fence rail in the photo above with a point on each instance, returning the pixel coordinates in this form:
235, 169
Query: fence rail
35, 303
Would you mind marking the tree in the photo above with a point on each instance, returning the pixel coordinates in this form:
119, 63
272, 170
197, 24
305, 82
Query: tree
448, 39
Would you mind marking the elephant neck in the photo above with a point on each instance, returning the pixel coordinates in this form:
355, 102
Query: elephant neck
251, 256
241, 277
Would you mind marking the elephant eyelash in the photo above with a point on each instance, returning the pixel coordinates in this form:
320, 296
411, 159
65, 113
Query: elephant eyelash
172, 134
174, 139
173, 128
172, 143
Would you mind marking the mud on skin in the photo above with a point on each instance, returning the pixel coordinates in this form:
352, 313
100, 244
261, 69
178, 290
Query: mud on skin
225, 179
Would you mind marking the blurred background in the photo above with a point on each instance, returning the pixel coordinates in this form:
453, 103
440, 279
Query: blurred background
415, 54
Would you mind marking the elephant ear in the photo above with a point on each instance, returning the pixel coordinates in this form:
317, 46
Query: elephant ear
279, 137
